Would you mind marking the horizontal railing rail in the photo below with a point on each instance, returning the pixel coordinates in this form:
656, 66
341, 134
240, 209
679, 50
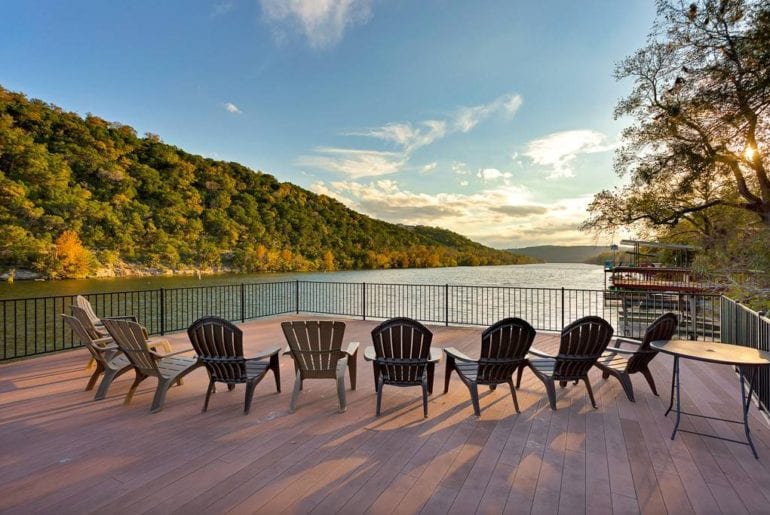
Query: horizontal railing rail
744, 326
33, 326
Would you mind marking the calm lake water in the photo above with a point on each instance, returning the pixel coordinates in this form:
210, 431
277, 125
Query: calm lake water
547, 275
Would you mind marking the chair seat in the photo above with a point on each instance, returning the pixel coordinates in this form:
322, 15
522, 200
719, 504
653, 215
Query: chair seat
544, 365
119, 361
255, 368
174, 365
612, 360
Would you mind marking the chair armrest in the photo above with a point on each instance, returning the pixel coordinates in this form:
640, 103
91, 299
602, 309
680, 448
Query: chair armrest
159, 356
352, 349
286, 351
456, 354
540, 353
103, 341
616, 350
131, 318
266, 353
622, 339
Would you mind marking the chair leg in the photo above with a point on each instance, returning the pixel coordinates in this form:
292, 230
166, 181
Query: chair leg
625, 381
590, 392
376, 372
474, 389
295, 392
250, 386
450, 365
605, 374
493, 387
431, 372
341, 366
550, 388
562, 384
94, 377
109, 376
275, 366
352, 369
424, 399
379, 395
209, 391
160, 394
91, 362
230, 387
647, 375
519, 374
513, 394
138, 379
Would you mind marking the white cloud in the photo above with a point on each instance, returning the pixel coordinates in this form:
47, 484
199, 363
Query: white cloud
463, 183
557, 151
321, 22
407, 137
503, 217
232, 108
428, 168
492, 174
352, 162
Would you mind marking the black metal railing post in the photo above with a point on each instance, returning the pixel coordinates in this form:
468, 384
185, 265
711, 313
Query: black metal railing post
363, 300
296, 296
243, 302
446, 305
562, 307
162, 312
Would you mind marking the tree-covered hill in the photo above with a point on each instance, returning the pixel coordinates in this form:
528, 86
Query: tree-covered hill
77, 194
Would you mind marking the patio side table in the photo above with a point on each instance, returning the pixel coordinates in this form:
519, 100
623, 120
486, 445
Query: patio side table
746, 359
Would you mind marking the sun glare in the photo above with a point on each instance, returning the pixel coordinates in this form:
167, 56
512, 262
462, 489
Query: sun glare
749, 153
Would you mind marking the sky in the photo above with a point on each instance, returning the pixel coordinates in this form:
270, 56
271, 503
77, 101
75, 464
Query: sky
491, 118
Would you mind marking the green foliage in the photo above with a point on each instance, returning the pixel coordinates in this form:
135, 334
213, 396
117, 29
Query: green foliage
122, 197
699, 143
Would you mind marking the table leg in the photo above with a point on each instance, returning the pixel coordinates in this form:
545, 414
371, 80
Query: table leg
678, 397
746, 404
674, 374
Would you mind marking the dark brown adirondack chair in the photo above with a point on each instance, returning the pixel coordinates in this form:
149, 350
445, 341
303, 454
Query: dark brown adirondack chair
167, 368
316, 348
109, 360
402, 355
504, 347
621, 363
582, 342
219, 345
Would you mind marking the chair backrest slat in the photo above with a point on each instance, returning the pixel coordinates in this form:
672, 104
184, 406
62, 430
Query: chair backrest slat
402, 348
219, 345
504, 346
582, 342
316, 346
86, 321
85, 338
131, 338
84, 304
662, 328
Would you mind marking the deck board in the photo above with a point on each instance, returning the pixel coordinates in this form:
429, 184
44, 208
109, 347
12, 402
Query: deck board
64, 452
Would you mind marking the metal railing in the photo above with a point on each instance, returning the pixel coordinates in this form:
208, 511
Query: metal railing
746, 327
33, 326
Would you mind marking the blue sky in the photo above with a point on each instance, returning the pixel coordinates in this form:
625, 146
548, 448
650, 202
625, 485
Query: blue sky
490, 118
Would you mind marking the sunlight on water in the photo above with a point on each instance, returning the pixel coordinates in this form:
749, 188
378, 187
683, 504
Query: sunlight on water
547, 275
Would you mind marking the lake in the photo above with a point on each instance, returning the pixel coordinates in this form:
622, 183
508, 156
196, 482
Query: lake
547, 275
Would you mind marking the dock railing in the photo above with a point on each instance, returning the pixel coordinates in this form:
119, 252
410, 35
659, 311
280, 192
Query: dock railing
33, 326
741, 325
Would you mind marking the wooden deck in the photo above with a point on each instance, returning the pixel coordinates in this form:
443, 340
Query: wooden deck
63, 452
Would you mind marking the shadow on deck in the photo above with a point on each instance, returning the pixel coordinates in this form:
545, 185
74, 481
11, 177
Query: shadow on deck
62, 451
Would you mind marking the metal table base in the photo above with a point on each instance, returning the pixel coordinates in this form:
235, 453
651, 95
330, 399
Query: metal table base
745, 405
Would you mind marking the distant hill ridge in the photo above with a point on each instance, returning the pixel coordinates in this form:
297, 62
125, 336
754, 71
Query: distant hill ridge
78, 194
563, 253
